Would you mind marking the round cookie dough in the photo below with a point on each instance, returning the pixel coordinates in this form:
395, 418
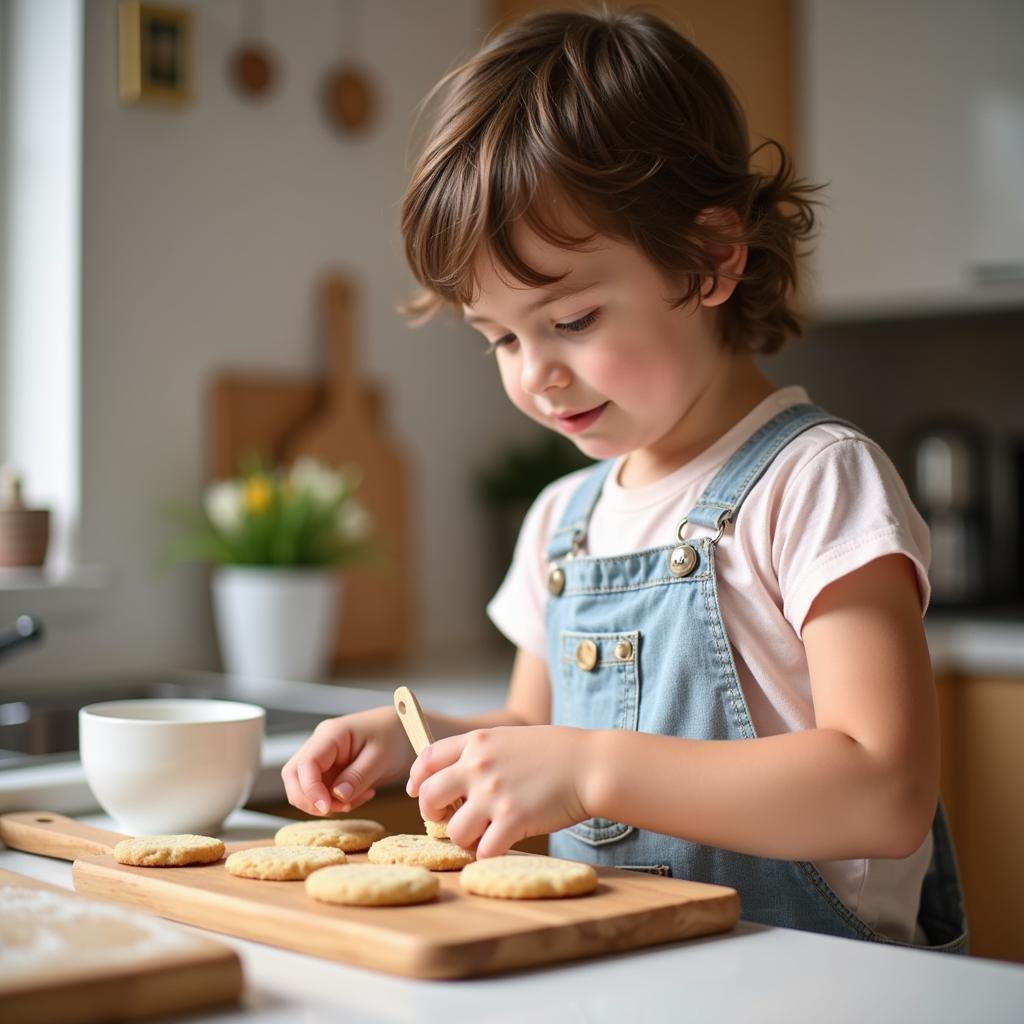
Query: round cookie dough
282, 863
436, 854
436, 829
372, 885
349, 834
168, 851
526, 877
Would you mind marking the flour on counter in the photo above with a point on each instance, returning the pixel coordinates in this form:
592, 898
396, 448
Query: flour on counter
42, 930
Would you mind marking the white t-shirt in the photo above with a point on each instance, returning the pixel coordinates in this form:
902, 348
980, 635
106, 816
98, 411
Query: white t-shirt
828, 504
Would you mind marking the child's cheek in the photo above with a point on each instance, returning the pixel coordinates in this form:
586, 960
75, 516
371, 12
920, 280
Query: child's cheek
511, 381
620, 374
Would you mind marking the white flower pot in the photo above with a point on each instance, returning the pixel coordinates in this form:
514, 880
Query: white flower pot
276, 623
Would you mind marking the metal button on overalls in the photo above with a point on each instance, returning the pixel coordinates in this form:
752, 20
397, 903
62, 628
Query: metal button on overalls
683, 560
586, 655
556, 580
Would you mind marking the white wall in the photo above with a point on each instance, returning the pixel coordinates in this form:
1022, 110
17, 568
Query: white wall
205, 231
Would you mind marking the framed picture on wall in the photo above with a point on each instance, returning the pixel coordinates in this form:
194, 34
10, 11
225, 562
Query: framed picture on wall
155, 53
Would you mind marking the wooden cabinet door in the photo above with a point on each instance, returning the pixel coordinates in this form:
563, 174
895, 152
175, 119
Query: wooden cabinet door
983, 789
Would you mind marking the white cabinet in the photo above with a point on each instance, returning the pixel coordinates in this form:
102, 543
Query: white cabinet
913, 114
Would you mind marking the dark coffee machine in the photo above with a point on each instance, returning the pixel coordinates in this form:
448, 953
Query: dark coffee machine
951, 486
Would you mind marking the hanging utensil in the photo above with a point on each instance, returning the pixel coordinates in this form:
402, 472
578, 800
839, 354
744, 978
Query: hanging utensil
252, 65
349, 93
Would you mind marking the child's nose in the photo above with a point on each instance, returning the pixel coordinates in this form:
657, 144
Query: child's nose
541, 370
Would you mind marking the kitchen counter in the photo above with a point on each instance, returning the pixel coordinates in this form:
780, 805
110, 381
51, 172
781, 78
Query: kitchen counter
59, 784
959, 644
751, 973
976, 645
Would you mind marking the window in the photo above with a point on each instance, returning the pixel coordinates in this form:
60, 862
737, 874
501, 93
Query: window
40, 225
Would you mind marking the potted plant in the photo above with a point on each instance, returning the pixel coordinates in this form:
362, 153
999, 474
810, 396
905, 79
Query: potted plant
276, 539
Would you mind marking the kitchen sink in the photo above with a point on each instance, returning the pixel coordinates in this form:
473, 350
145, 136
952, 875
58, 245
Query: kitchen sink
43, 728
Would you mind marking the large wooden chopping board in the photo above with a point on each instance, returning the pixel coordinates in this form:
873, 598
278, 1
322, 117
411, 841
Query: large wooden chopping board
65, 959
458, 936
338, 420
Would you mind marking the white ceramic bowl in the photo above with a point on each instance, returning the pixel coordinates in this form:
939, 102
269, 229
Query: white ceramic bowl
170, 766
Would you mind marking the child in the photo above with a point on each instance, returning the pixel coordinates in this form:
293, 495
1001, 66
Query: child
721, 673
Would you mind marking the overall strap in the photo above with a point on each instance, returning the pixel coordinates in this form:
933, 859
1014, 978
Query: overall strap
733, 482
572, 529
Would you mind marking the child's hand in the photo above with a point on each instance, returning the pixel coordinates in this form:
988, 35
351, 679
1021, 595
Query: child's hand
517, 781
338, 766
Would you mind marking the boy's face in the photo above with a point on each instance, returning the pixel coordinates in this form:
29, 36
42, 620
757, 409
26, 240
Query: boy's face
601, 356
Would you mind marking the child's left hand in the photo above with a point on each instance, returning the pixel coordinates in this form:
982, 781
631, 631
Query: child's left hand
516, 781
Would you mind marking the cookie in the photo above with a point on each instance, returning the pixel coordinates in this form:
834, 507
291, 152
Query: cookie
436, 829
282, 863
168, 851
436, 854
349, 834
372, 885
526, 877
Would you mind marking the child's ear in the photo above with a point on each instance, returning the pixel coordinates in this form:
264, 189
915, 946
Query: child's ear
731, 259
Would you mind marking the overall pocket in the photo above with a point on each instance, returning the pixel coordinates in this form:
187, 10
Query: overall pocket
600, 687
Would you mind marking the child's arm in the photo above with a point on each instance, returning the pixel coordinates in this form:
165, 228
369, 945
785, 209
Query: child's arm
862, 783
339, 766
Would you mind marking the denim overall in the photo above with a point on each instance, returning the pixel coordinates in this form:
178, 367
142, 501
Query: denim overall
637, 641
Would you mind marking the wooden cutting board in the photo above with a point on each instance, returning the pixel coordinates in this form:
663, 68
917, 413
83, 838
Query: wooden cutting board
457, 936
338, 420
65, 959
252, 414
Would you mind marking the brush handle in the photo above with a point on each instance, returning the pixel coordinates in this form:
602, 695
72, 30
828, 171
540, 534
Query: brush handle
410, 714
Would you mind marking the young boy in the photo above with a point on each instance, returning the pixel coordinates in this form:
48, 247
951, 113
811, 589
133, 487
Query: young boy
721, 672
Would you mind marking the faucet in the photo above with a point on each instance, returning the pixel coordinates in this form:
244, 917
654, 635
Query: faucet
24, 629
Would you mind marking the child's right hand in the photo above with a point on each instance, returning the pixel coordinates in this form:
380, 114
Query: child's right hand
337, 768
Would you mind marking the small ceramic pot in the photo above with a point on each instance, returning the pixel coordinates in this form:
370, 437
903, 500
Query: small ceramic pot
24, 537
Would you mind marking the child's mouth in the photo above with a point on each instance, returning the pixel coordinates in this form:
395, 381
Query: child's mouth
581, 420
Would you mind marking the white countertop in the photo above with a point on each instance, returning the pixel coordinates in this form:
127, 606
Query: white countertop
752, 973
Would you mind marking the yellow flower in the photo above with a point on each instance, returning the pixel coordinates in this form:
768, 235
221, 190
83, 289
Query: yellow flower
257, 494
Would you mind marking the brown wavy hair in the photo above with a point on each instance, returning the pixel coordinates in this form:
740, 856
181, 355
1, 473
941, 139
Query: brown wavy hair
621, 117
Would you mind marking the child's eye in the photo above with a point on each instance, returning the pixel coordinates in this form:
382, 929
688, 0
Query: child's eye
582, 324
573, 326
493, 346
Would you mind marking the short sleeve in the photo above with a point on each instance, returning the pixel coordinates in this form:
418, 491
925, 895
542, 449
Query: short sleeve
517, 609
843, 508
